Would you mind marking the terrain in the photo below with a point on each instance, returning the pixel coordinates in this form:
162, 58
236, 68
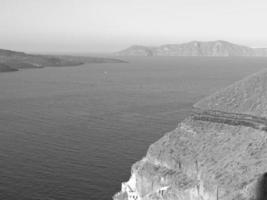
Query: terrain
6, 68
194, 48
217, 153
13, 60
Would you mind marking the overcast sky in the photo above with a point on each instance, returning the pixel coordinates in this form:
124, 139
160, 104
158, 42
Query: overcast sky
111, 25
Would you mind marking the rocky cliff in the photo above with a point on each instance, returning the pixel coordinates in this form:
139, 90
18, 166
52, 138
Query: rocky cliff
217, 153
194, 48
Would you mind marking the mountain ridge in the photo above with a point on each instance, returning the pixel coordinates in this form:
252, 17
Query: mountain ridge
194, 48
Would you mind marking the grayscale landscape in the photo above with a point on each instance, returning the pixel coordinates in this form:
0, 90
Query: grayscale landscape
133, 100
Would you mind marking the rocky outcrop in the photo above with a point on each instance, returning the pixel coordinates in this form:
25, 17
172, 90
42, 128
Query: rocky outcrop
195, 48
218, 153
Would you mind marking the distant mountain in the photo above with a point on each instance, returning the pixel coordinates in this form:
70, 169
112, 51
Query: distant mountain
137, 50
13, 60
194, 48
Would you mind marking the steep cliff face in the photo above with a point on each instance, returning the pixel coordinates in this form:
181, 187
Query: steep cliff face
217, 153
194, 48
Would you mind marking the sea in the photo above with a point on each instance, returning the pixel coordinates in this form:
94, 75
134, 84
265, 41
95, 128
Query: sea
72, 133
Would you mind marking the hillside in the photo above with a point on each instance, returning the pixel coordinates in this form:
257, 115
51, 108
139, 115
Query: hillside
248, 96
217, 153
194, 48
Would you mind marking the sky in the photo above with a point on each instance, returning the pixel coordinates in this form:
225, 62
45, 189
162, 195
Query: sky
86, 26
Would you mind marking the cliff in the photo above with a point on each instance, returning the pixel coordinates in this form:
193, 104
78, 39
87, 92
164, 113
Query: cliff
217, 153
194, 48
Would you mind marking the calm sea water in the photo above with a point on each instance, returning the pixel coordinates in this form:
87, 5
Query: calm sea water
73, 133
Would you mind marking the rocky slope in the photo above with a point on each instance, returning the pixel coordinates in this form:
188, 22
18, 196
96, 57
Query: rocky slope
194, 48
13, 60
217, 153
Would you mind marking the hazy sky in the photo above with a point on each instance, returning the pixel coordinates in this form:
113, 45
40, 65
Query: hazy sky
110, 25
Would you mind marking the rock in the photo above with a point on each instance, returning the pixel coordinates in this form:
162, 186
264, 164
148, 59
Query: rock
217, 153
194, 48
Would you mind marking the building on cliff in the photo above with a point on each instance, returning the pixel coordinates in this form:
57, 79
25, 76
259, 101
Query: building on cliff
129, 190
217, 153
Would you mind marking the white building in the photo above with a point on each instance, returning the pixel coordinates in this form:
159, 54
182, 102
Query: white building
130, 188
162, 190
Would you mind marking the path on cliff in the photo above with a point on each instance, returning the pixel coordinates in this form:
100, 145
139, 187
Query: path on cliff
234, 119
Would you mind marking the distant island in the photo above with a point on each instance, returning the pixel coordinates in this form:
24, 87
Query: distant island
194, 48
14, 60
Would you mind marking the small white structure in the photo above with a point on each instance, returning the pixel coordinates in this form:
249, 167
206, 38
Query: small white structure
162, 190
130, 188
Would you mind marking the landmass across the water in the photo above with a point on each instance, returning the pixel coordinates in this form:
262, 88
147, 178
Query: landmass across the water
6, 68
14, 60
194, 48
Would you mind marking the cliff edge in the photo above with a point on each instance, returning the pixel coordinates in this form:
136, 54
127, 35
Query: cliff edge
217, 153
